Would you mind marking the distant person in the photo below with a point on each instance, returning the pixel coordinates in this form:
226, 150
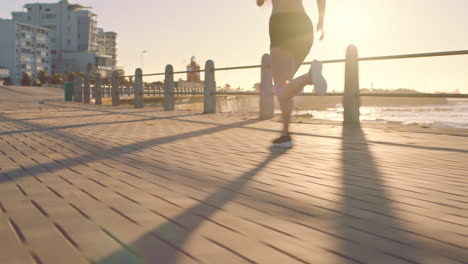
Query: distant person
291, 37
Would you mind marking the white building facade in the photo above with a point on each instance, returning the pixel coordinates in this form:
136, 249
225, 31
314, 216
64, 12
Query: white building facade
73, 36
107, 43
24, 49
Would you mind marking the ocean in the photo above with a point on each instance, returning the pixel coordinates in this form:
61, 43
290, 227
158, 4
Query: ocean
454, 114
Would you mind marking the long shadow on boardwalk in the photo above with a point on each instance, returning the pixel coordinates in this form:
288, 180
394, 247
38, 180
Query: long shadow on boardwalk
44, 128
376, 222
99, 154
145, 250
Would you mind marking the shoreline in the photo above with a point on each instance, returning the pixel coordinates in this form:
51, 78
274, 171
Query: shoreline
389, 127
393, 127
311, 120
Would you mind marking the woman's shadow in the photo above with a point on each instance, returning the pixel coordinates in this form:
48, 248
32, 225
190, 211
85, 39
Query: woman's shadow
165, 243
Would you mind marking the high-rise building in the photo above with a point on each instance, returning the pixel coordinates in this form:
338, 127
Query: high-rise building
24, 49
74, 36
107, 43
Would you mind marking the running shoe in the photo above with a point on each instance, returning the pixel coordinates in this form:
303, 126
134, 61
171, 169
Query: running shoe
283, 141
319, 82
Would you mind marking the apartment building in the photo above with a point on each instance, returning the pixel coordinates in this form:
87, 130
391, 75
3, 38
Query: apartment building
73, 36
24, 49
107, 43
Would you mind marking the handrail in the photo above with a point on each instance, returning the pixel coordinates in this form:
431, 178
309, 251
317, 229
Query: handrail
365, 94
374, 58
351, 95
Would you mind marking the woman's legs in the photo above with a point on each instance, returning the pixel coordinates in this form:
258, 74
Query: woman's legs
296, 85
284, 67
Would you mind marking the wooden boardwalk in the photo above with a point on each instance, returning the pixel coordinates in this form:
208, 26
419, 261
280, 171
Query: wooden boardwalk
96, 184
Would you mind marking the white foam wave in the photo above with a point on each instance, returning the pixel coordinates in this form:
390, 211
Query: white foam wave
453, 114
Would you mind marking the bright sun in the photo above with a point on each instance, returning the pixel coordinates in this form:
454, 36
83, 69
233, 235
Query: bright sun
347, 22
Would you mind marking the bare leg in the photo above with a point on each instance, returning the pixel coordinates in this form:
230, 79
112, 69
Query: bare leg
283, 69
296, 85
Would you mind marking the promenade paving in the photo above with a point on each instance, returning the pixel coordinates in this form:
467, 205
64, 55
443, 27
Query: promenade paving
100, 184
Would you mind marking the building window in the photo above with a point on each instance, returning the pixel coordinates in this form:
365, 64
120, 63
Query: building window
47, 10
69, 42
49, 16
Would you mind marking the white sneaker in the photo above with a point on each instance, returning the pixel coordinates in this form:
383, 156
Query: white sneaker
319, 82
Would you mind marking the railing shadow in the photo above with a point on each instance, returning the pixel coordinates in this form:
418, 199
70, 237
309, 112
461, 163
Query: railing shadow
145, 250
45, 128
101, 153
377, 220
178, 118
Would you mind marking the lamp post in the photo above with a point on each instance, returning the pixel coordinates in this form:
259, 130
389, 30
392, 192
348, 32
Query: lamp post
143, 52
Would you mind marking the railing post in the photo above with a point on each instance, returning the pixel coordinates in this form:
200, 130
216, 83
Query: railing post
267, 103
75, 87
98, 90
138, 102
115, 89
78, 89
351, 98
169, 98
86, 88
209, 89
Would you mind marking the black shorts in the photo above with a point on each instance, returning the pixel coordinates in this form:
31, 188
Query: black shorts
287, 31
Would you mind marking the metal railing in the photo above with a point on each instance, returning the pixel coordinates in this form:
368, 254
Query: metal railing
375, 58
168, 89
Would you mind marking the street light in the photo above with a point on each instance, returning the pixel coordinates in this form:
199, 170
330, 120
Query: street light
143, 52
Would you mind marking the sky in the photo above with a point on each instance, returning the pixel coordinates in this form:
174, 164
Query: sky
235, 33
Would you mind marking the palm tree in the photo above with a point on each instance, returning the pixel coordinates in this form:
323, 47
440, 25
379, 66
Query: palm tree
25, 79
56, 79
70, 76
43, 77
8, 81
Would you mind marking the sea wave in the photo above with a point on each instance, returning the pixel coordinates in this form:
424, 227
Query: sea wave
452, 115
